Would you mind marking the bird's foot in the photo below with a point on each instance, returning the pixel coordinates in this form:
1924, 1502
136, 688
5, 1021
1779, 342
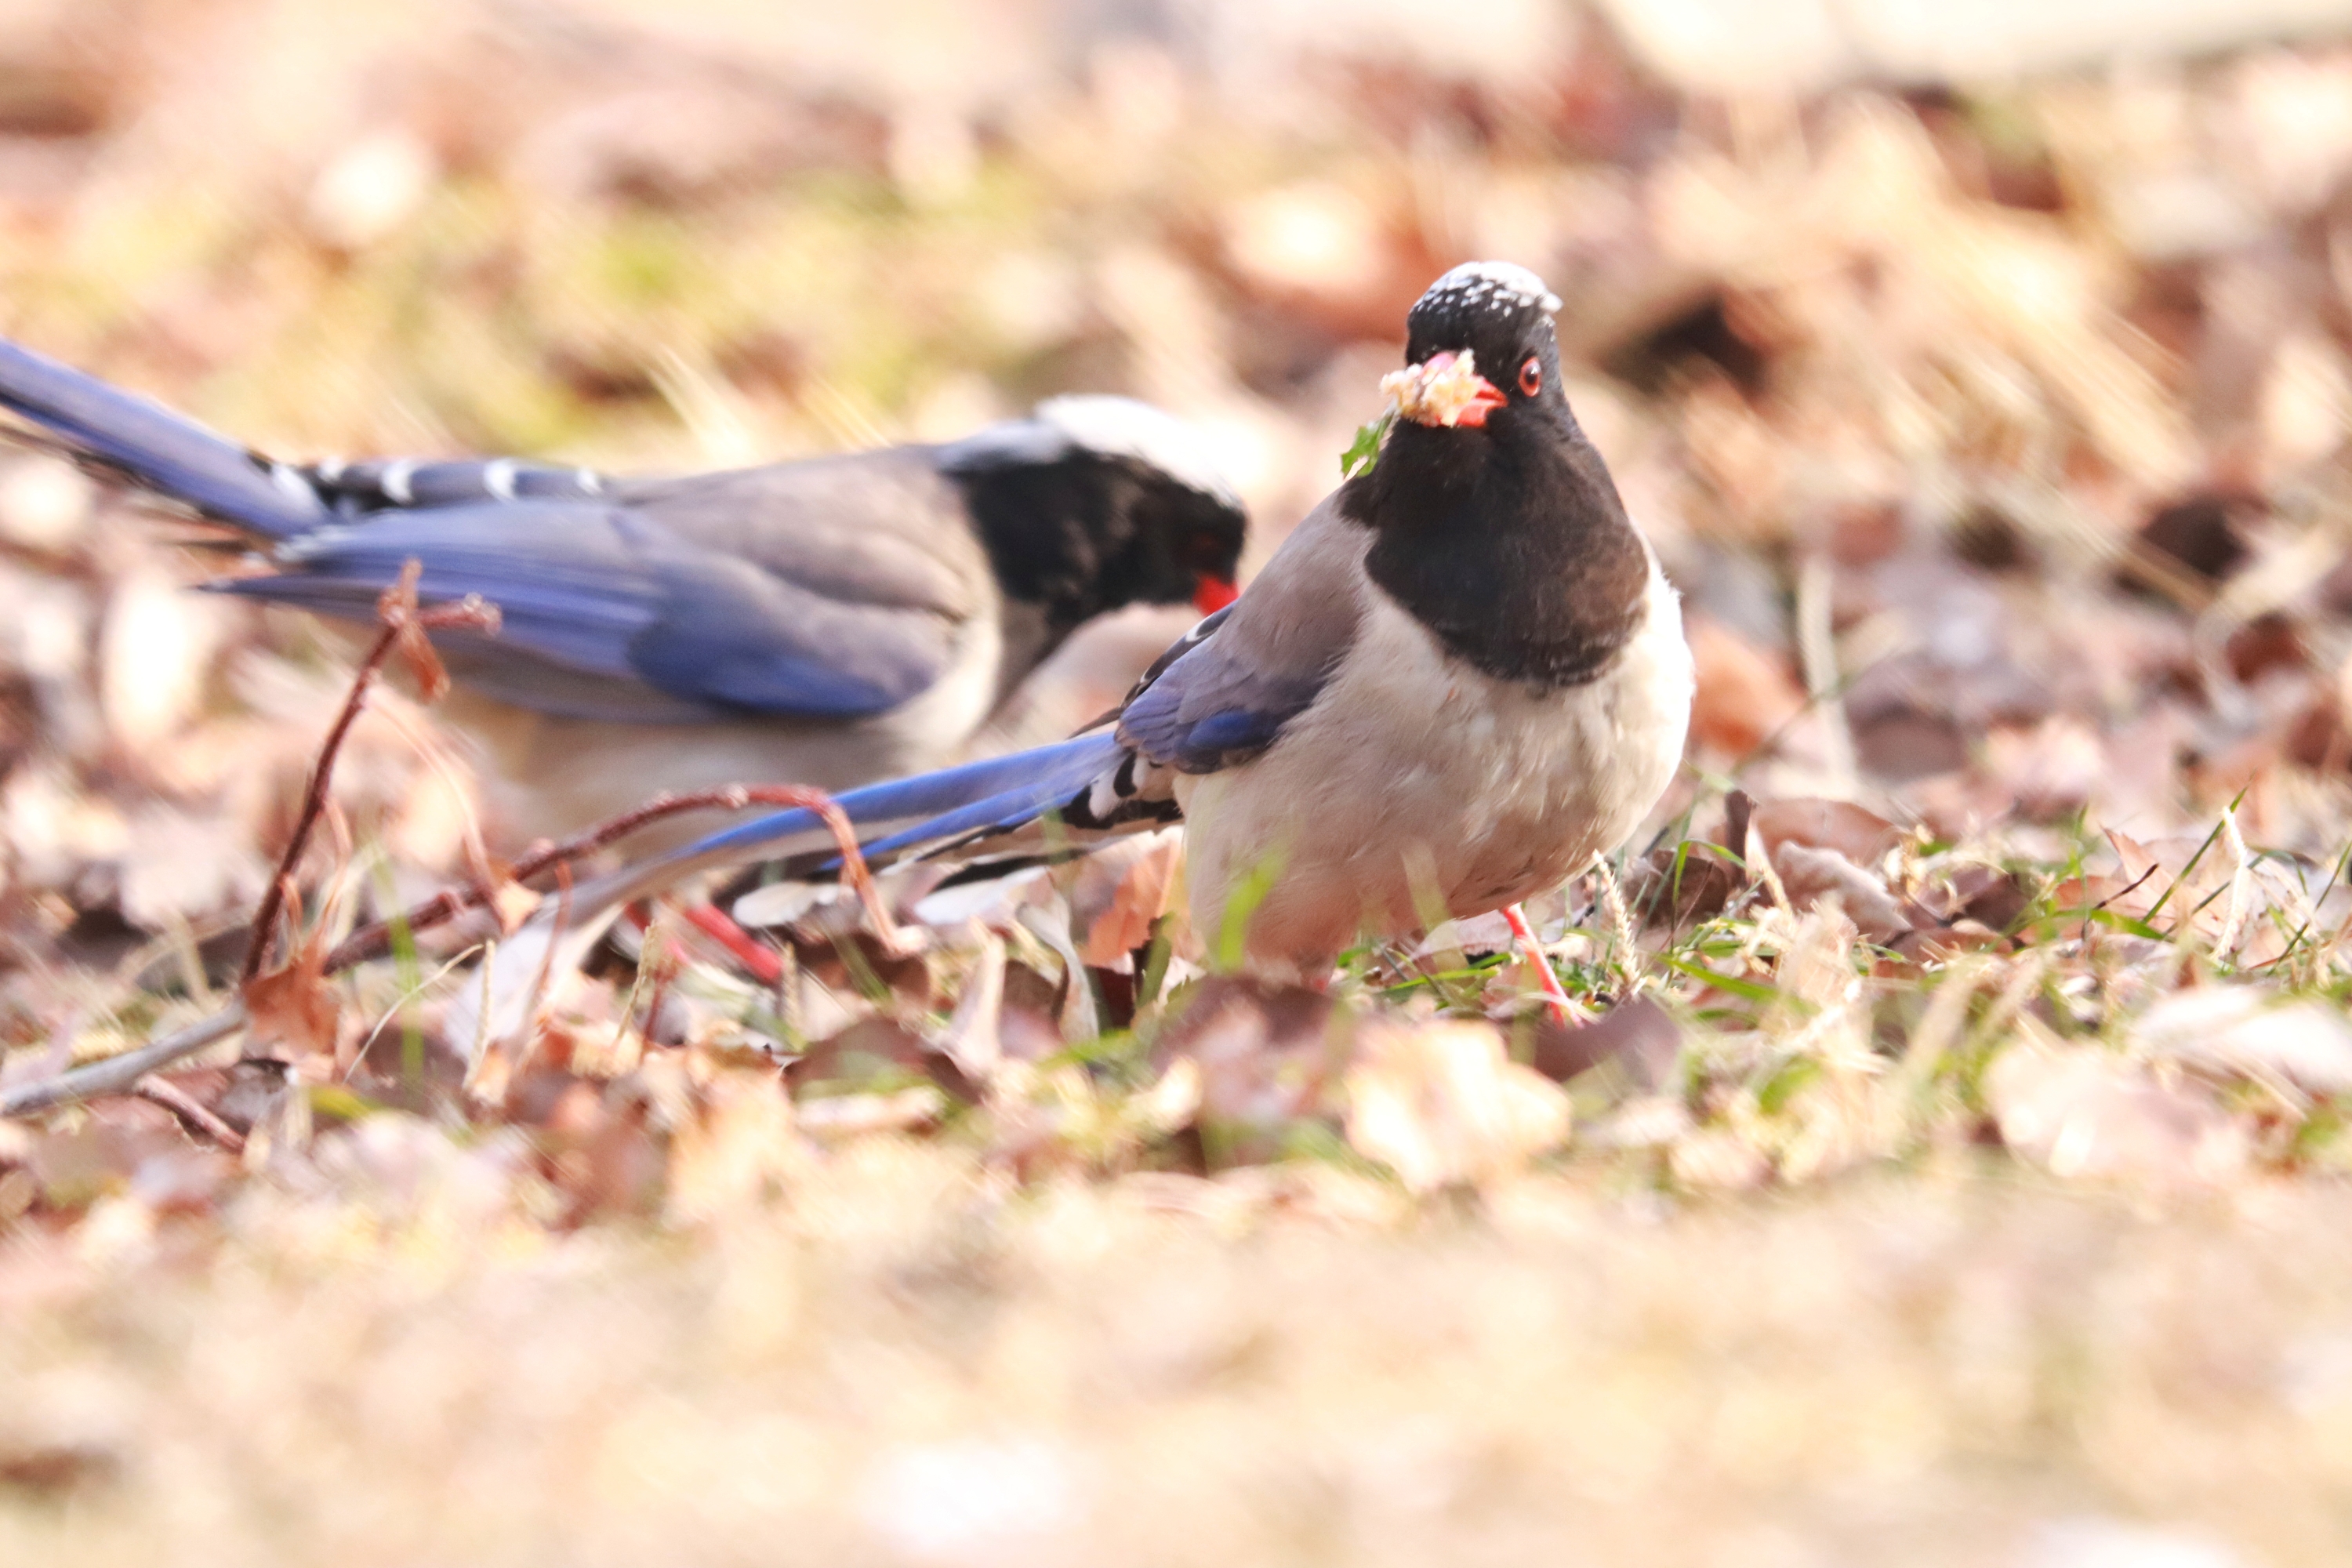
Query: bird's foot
1555, 994
760, 962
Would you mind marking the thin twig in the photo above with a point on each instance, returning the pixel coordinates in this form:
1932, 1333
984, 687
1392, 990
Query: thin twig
397, 612
369, 941
401, 1005
193, 1114
401, 619
659, 965
547, 959
118, 1073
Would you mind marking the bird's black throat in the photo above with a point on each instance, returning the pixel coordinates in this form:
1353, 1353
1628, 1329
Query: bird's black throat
1509, 543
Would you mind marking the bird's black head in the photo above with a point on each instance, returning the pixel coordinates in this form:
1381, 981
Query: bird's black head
1096, 502
1480, 354
1498, 526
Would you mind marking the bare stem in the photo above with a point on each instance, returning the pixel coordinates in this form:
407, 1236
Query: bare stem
397, 612
193, 1113
116, 1075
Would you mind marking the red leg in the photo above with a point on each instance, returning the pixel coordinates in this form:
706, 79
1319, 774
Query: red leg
714, 923
1555, 994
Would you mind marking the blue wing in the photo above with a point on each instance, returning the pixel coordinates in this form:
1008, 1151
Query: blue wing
608, 615
1225, 693
1206, 706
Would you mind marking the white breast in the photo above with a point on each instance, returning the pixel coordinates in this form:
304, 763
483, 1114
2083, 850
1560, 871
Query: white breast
1417, 786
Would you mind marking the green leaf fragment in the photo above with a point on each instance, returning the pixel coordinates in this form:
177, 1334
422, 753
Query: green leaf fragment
1366, 451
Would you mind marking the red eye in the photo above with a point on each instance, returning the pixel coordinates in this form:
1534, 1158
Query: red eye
1531, 377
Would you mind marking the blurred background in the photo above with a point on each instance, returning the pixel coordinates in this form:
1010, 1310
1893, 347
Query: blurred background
1983, 373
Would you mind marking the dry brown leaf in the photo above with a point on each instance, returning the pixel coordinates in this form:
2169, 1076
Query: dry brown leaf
875, 1045
2054, 768
513, 904
74, 1168
178, 866
851, 1115
616, 1167
1677, 886
1745, 693
2201, 887
1860, 834
738, 1147
57, 1470
1810, 875
1443, 1104
1268, 1056
974, 1039
294, 1009
185, 1180
1639, 1036
2084, 1112
425, 665
1715, 1158
1118, 893
2248, 1031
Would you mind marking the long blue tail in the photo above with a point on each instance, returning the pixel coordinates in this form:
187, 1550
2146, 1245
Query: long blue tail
158, 448
996, 791
904, 814
931, 808
1002, 793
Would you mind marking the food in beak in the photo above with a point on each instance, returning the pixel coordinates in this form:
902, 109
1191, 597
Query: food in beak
1444, 389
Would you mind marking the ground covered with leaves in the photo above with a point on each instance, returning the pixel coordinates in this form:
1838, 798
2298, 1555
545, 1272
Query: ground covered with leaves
1943, 1162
